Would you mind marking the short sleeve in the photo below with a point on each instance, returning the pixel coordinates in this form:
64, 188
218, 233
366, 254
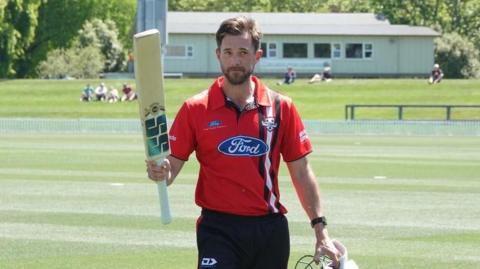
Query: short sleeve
295, 143
182, 135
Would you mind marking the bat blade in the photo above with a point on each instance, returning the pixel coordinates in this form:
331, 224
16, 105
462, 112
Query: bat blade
151, 100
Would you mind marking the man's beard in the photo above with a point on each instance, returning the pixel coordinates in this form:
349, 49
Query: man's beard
237, 75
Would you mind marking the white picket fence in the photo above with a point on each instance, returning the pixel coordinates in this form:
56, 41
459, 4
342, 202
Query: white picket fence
314, 127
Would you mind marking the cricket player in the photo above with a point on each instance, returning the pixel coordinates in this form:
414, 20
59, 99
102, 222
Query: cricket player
239, 130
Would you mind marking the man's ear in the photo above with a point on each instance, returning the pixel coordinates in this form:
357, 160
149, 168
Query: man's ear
258, 55
217, 52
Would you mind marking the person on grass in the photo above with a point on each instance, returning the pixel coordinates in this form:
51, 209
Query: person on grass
128, 93
101, 92
436, 75
326, 76
289, 76
87, 94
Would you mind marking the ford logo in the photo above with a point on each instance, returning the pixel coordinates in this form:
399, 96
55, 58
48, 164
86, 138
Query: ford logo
243, 146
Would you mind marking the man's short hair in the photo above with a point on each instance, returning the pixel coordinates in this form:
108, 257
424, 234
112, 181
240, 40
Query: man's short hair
237, 26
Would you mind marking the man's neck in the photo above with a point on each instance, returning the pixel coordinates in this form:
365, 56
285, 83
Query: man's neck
241, 94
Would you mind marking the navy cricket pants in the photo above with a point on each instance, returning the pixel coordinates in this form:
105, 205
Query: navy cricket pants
228, 241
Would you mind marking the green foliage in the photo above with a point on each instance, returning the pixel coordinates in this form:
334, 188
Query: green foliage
58, 24
60, 20
271, 5
462, 17
457, 56
18, 21
96, 49
246, 5
89, 62
122, 12
104, 36
76, 62
411, 12
349, 6
56, 65
294, 6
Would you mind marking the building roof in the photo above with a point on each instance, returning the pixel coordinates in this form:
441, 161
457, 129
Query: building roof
366, 24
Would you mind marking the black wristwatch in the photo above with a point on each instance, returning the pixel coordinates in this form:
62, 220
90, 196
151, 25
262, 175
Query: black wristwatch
318, 220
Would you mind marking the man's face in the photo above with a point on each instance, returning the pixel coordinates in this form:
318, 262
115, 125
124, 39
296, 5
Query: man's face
237, 58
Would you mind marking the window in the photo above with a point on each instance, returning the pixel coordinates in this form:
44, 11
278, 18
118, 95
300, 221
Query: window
189, 51
295, 50
337, 50
263, 46
354, 50
179, 51
269, 50
272, 50
322, 50
368, 52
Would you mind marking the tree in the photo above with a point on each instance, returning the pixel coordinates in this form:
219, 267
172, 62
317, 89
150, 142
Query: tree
58, 24
412, 12
122, 12
349, 6
60, 20
18, 22
457, 56
77, 62
464, 18
89, 62
104, 36
246, 5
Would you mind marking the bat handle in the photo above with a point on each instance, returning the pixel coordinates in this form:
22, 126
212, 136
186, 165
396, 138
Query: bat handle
165, 215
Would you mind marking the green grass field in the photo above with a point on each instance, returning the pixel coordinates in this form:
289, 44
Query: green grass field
71, 201
60, 99
83, 201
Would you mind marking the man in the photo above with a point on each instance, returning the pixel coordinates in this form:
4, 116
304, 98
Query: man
239, 129
437, 75
101, 92
87, 94
289, 76
325, 76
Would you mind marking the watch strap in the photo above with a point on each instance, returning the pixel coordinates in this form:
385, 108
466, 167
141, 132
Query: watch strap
318, 220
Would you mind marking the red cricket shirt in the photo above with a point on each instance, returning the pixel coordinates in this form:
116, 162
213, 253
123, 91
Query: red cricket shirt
239, 152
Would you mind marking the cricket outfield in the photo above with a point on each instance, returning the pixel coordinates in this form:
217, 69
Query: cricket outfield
83, 201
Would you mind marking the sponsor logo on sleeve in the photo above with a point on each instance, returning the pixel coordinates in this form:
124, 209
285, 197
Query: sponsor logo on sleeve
243, 146
303, 136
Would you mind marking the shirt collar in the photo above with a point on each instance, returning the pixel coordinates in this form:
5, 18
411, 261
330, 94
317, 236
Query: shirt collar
216, 97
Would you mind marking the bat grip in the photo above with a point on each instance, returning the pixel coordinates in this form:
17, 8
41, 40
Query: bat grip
165, 215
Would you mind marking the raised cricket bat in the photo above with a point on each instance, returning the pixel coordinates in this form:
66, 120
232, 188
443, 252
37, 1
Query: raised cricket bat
151, 100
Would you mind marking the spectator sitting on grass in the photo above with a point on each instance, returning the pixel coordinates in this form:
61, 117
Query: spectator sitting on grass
325, 76
437, 75
87, 94
128, 93
113, 96
289, 76
101, 92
